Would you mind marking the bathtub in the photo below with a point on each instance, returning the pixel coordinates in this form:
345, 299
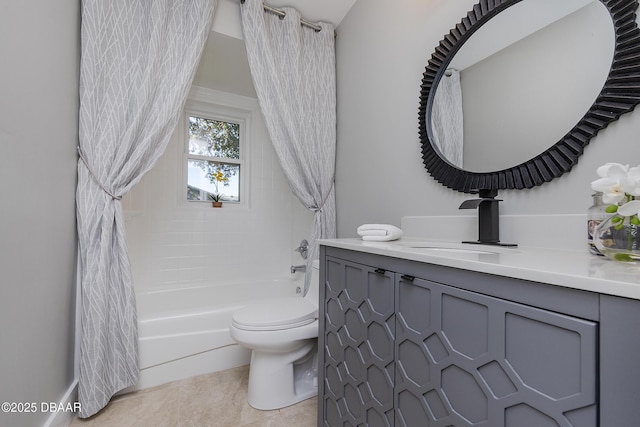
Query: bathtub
184, 331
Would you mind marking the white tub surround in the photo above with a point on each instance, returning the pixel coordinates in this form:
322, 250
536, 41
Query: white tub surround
184, 332
577, 269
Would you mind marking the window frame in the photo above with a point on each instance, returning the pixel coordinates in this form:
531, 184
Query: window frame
202, 104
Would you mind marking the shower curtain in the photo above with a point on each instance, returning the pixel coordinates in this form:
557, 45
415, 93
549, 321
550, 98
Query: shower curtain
138, 59
293, 71
447, 118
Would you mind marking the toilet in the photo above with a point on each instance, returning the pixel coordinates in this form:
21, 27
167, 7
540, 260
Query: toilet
282, 334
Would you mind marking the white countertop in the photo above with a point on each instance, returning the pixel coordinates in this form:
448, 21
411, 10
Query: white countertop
571, 269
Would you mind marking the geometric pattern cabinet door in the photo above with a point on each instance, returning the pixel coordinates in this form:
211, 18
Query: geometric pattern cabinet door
466, 359
359, 328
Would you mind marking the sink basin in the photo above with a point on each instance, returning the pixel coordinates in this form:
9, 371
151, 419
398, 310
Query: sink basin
452, 250
444, 248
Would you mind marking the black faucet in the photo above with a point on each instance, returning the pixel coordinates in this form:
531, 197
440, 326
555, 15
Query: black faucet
488, 217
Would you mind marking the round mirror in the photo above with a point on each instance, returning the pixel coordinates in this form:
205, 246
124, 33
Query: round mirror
500, 77
513, 94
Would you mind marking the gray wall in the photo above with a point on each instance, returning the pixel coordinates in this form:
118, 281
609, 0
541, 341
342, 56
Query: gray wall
382, 51
39, 51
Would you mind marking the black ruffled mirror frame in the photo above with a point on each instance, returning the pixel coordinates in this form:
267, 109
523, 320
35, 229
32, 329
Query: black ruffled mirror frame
620, 94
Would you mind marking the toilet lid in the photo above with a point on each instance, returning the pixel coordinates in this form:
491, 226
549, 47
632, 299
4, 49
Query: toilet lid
275, 314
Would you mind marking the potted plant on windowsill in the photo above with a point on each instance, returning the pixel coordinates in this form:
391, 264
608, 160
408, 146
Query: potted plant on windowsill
215, 200
216, 178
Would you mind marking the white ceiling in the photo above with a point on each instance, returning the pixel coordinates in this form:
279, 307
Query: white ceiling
227, 18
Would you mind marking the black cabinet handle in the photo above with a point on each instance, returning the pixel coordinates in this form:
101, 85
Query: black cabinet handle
380, 270
407, 278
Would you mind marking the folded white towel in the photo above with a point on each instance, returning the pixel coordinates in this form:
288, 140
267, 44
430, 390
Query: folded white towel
379, 232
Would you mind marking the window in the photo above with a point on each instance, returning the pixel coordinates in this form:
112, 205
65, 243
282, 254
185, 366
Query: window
214, 151
213, 158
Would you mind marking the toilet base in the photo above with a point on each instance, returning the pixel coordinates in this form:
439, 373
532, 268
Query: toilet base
277, 380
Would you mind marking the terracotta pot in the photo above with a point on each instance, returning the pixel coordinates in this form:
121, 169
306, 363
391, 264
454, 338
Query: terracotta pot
217, 204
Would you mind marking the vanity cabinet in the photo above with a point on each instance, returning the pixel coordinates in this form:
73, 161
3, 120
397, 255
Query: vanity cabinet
359, 330
405, 343
464, 359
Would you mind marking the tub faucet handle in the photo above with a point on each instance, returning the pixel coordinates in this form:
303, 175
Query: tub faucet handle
303, 249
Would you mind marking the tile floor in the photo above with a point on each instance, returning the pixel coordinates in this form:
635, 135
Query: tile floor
217, 400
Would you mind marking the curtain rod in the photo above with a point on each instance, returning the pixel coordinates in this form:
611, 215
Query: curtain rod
281, 13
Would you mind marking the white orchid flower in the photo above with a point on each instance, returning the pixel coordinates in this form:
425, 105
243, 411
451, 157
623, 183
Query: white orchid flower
630, 208
615, 181
611, 168
634, 181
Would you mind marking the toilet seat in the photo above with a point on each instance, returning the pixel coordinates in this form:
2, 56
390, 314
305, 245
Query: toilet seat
275, 314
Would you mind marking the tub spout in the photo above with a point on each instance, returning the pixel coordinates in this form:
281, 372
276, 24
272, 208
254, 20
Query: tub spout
295, 268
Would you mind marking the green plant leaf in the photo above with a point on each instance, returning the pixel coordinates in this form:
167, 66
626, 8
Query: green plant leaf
622, 257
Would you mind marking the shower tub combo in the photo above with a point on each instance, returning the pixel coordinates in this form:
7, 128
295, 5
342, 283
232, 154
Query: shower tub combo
184, 331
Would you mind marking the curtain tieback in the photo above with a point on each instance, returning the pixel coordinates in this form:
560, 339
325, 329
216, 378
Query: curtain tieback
95, 178
319, 209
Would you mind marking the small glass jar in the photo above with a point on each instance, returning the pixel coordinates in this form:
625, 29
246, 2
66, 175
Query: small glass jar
595, 215
619, 240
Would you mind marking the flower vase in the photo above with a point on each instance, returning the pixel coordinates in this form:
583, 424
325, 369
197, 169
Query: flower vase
619, 241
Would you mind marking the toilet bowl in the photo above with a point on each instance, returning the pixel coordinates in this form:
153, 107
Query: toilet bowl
282, 335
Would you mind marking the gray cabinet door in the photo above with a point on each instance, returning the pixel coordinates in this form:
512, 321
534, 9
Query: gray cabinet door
466, 359
359, 328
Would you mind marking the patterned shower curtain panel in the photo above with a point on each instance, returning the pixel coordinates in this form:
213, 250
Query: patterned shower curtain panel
447, 118
293, 71
138, 59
